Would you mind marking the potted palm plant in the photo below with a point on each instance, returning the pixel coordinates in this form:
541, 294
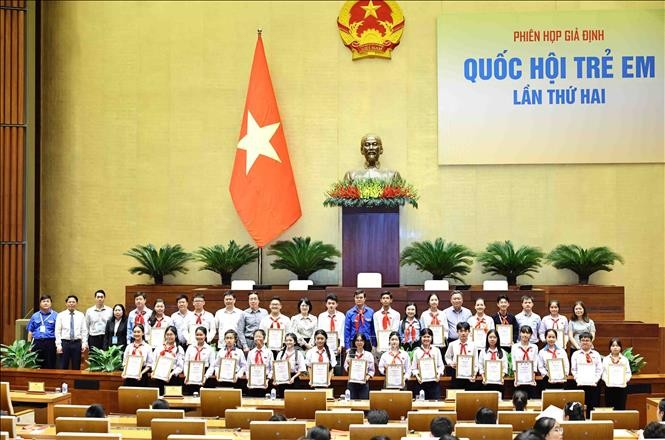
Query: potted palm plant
302, 256
226, 261
442, 259
157, 263
18, 355
584, 262
501, 258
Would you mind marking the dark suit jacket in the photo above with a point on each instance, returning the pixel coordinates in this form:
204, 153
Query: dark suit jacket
122, 333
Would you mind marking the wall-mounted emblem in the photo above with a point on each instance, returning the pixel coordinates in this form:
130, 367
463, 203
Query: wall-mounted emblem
371, 28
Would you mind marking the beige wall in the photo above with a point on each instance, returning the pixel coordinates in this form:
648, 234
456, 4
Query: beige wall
142, 108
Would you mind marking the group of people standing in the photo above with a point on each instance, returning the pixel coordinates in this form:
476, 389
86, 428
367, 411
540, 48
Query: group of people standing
377, 340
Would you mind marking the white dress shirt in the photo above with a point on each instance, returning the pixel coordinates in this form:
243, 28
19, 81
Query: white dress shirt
393, 320
226, 320
62, 328
178, 320
303, 327
195, 320
96, 319
225, 353
324, 323
390, 357
420, 353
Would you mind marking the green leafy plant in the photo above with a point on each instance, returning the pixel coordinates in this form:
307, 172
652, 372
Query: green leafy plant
442, 259
302, 256
108, 360
501, 258
18, 355
636, 361
584, 262
158, 263
226, 261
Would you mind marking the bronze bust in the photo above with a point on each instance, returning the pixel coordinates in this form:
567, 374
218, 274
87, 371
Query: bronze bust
371, 147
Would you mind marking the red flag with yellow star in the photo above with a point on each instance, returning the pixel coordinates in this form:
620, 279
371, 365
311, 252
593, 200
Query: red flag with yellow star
262, 185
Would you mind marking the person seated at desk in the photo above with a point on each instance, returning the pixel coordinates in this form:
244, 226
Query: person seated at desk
654, 430
95, 411
520, 400
440, 426
377, 417
318, 433
160, 404
548, 428
485, 416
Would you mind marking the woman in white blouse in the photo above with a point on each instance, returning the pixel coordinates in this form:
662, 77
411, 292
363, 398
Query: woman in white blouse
138, 347
395, 355
303, 324
169, 350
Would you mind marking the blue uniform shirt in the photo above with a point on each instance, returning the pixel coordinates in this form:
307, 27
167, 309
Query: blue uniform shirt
47, 320
365, 326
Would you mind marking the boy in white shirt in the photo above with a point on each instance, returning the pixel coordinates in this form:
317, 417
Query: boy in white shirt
385, 319
200, 318
275, 320
462, 346
332, 321
586, 366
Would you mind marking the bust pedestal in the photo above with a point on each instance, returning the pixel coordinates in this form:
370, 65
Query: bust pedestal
370, 243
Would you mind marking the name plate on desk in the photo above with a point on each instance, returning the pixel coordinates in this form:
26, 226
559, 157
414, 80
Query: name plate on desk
173, 391
36, 388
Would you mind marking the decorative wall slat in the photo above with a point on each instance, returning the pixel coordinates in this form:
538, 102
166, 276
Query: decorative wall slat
12, 163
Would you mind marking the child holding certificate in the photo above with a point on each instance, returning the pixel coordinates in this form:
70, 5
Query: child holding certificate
616, 374
395, 364
158, 322
554, 321
436, 320
259, 365
169, 360
463, 373
360, 366
319, 354
427, 366
288, 377
586, 365
522, 352
198, 358
230, 363
553, 362
480, 324
493, 363
137, 359
409, 328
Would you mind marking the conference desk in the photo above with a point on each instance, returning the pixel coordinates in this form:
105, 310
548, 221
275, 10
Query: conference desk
652, 409
189, 403
43, 404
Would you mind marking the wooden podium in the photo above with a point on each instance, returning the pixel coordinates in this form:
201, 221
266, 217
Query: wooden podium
370, 243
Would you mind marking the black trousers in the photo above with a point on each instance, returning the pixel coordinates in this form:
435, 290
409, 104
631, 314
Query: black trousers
616, 397
71, 353
359, 391
591, 398
432, 390
96, 341
46, 352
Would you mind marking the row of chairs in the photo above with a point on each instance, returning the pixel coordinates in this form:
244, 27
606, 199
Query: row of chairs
366, 280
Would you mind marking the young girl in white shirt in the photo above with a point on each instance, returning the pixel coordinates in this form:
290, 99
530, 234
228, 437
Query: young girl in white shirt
552, 351
294, 355
395, 355
260, 354
158, 320
169, 350
229, 351
409, 328
362, 351
492, 352
524, 350
320, 353
480, 321
198, 351
433, 316
138, 347
430, 386
615, 394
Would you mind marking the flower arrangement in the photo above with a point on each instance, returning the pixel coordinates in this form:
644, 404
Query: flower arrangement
361, 193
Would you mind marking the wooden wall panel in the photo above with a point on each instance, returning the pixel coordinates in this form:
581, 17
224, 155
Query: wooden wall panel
12, 163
